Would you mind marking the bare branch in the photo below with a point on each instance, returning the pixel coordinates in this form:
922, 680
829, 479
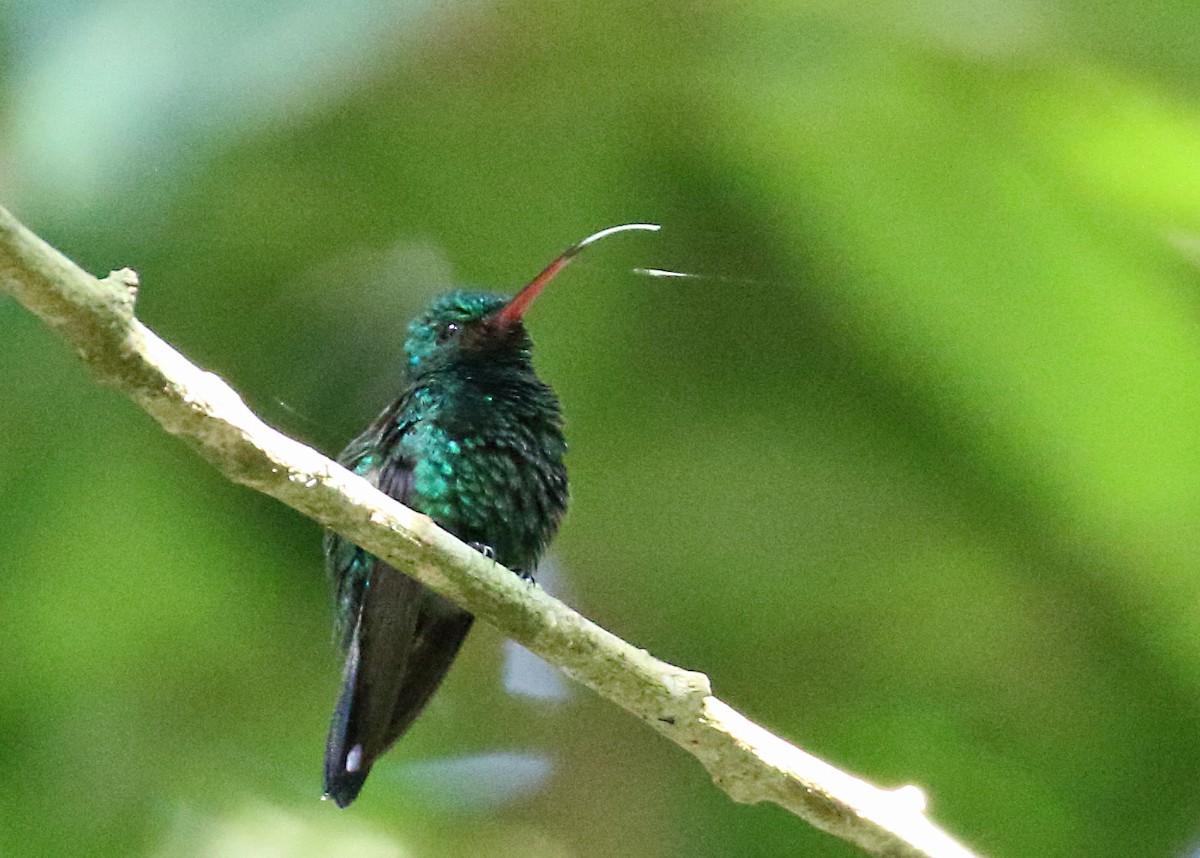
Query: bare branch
749, 763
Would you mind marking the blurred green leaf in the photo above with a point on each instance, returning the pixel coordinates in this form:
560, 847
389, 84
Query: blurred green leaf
910, 468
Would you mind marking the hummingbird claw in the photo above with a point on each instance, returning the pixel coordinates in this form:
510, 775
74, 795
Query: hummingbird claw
486, 550
490, 553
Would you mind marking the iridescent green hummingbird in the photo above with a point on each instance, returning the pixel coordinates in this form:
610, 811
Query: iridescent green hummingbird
475, 442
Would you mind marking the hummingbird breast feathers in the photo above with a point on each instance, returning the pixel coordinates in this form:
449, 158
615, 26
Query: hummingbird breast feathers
495, 478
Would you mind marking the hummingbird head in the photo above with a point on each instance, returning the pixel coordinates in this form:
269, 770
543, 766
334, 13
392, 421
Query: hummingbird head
460, 328
467, 328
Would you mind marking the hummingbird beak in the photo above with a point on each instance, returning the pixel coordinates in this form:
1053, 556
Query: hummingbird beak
514, 310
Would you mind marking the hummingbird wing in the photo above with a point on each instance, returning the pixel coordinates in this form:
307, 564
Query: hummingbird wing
442, 626
400, 636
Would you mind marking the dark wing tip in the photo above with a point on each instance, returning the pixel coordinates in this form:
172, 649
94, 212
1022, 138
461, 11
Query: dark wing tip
345, 789
344, 778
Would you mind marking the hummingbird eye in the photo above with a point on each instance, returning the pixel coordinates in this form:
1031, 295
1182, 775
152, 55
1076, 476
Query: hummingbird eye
447, 331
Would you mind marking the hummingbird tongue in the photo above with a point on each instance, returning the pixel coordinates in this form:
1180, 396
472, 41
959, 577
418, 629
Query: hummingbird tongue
514, 310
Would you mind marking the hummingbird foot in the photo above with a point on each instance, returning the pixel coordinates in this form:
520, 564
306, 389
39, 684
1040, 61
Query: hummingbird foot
486, 550
490, 553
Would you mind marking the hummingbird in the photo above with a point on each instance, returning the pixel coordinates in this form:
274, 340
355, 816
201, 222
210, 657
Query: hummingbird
475, 442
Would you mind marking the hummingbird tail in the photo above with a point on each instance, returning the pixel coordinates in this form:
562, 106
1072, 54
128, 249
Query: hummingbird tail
345, 769
405, 638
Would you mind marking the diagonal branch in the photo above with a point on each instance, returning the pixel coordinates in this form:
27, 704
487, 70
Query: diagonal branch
96, 317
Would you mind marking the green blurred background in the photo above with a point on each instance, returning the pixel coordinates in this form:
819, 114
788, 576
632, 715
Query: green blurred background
912, 470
